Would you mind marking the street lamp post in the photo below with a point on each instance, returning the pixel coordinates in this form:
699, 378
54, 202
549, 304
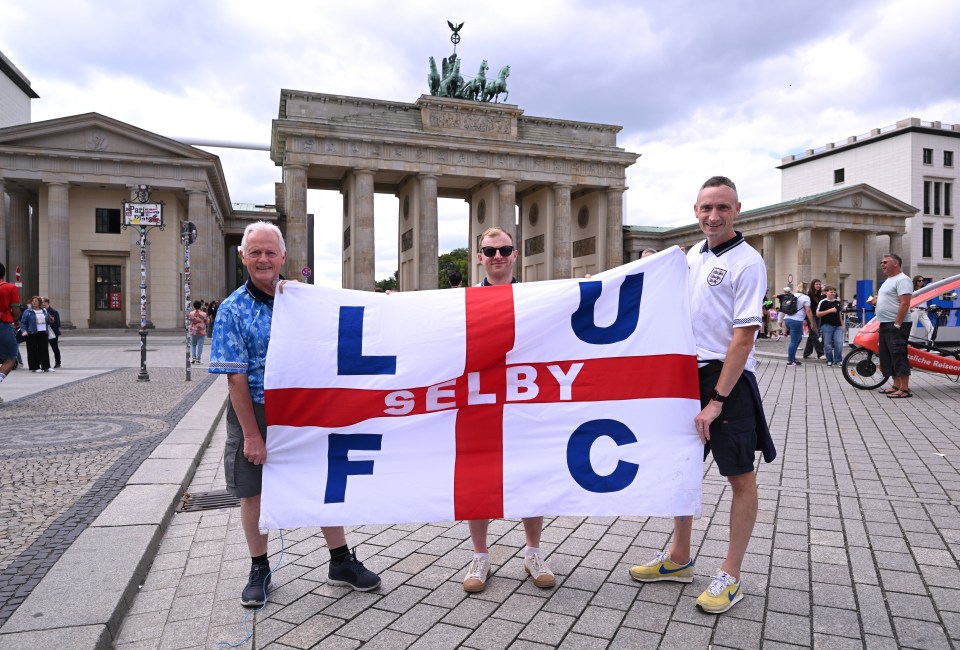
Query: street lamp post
189, 235
143, 214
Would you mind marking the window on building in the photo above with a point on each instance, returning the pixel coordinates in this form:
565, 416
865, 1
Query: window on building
948, 159
108, 289
936, 196
947, 197
838, 176
928, 156
108, 220
928, 241
926, 197
948, 243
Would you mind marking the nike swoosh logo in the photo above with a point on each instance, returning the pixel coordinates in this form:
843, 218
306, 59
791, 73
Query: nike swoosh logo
733, 594
665, 571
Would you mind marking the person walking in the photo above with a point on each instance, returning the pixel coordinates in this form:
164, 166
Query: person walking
831, 326
794, 321
920, 316
198, 331
53, 332
34, 323
815, 293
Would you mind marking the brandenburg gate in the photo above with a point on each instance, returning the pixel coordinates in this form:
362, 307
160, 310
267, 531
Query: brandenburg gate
566, 177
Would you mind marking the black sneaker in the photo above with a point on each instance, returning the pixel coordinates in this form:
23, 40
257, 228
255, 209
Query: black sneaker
352, 573
255, 593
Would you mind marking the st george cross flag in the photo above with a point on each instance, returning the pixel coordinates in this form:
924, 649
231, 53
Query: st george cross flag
565, 397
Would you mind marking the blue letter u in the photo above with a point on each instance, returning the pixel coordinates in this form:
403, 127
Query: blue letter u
578, 456
583, 320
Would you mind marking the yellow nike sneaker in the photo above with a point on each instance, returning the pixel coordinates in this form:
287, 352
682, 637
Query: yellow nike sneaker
722, 594
661, 569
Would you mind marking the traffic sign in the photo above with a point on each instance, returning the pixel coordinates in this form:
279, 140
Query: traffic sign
306, 272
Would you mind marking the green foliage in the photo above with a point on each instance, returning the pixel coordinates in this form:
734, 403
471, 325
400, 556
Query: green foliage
458, 259
389, 284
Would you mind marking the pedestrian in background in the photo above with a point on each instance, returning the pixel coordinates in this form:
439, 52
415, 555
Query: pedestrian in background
53, 332
198, 331
34, 324
920, 315
815, 293
831, 326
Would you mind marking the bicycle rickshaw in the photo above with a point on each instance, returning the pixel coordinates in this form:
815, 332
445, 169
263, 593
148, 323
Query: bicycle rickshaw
861, 365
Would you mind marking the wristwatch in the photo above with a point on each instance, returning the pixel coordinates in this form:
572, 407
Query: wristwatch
717, 397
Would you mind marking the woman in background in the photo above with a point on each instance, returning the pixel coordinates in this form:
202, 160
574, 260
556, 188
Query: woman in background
198, 331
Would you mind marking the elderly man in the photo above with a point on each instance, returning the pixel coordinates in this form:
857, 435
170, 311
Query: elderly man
893, 313
726, 284
239, 349
497, 255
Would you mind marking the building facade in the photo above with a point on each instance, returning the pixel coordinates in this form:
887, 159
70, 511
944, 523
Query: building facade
914, 161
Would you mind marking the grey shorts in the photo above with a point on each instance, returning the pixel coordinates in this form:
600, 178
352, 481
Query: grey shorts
244, 479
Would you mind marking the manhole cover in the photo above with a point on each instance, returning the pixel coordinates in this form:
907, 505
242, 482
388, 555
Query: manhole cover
196, 501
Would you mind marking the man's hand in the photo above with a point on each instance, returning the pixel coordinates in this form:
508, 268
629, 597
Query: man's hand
254, 450
705, 418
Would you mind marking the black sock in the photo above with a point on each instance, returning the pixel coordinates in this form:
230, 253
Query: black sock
338, 555
260, 559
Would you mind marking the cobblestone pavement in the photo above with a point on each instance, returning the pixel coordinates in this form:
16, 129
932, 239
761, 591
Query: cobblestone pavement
68, 443
856, 545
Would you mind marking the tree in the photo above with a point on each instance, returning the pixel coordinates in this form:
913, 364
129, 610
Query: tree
457, 259
388, 284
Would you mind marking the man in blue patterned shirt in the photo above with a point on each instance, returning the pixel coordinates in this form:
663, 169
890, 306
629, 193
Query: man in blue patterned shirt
239, 350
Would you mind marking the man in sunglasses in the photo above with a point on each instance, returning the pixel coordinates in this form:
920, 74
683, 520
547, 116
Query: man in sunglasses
498, 255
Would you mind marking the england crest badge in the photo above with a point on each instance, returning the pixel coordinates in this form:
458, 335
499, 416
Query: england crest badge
716, 276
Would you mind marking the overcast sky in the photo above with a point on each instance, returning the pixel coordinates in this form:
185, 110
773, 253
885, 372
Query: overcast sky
699, 87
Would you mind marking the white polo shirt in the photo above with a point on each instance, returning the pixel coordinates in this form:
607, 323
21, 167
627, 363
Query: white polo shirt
726, 287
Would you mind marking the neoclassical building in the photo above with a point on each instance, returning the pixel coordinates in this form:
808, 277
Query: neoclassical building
65, 182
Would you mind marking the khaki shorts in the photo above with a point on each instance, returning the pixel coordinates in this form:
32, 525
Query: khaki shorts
244, 479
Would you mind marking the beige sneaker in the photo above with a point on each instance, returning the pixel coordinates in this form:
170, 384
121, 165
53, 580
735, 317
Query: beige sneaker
542, 575
476, 579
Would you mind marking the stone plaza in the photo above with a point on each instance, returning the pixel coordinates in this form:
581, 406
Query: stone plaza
856, 544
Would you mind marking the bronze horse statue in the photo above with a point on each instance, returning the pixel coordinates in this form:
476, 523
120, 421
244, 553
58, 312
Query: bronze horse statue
474, 89
433, 78
497, 86
450, 84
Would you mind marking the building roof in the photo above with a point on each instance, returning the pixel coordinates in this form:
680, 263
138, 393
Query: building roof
17, 77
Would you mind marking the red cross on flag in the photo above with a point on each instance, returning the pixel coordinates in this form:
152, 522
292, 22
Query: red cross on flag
566, 397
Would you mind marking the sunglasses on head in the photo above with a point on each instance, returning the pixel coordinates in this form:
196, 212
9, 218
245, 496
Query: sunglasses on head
490, 251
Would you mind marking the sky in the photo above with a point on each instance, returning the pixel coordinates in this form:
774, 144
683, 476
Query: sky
700, 88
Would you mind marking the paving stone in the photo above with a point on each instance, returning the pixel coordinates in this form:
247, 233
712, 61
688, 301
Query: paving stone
441, 637
305, 634
390, 640
574, 641
568, 601
836, 621
367, 624
598, 621
737, 633
419, 619
683, 636
830, 642
494, 634
787, 628
912, 633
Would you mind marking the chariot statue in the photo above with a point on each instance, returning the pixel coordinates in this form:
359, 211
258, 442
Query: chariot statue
447, 82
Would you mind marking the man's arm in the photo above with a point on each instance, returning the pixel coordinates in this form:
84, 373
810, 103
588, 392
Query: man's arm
254, 449
904, 308
736, 361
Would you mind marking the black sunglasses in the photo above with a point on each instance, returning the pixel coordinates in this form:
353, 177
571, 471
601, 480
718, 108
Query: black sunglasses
490, 251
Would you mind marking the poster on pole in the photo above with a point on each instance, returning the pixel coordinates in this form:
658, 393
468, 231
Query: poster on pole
143, 214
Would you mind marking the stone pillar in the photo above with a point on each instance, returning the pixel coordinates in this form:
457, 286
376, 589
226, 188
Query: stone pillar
18, 243
295, 204
199, 214
614, 230
896, 245
427, 232
770, 262
833, 258
562, 253
506, 215
804, 267
364, 259
870, 261
4, 225
58, 248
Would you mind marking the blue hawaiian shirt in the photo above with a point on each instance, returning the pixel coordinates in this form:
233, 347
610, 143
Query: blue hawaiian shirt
241, 337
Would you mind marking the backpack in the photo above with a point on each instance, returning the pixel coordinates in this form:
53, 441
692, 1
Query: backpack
788, 304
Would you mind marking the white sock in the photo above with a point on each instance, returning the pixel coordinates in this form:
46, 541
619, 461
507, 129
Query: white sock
527, 552
485, 556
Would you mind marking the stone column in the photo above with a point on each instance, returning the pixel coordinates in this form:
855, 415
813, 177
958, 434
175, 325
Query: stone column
614, 230
58, 248
870, 261
199, 214
770, 262
427, 232
804, 267
896, 244
364, 259
506, 215
18, 243
295, 203
833, 258
4, 225
562, 254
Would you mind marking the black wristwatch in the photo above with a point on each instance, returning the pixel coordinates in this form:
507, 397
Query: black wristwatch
717, 397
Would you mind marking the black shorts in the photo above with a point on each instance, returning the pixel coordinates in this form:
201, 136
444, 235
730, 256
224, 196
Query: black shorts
733, 435
244, 479
893, 349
